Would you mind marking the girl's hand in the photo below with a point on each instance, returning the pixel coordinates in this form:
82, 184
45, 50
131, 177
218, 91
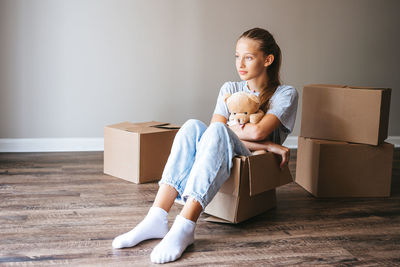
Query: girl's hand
237, 128
283, 151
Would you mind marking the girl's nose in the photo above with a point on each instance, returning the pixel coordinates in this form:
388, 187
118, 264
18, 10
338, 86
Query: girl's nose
242, 63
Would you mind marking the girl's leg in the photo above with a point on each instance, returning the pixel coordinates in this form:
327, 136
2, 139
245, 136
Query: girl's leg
179, 164
165, 197
182, 156
210, 170
214, 160
191, 210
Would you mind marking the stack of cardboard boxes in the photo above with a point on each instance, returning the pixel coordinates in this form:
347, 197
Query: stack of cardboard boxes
138, 152
341, 149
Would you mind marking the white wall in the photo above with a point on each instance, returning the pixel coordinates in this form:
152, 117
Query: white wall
69, 67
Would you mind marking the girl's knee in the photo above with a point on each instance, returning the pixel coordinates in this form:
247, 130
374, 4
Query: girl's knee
193, 123
192, 127
217, 127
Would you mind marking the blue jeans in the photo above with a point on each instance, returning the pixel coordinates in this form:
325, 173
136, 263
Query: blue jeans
201, 160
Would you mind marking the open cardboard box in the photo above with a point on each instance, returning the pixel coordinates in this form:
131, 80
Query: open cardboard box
345, 113
137, 152
250, 188
341, 169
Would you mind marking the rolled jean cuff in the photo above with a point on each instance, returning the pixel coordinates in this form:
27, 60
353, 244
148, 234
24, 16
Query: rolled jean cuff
171, 183
196, 197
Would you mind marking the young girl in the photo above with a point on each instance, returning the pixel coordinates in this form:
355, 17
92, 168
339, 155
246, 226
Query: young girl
201, 157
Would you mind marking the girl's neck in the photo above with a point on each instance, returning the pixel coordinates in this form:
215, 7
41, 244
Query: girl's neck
258, 84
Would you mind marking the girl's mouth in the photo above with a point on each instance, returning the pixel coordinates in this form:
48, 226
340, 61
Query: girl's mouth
242, 72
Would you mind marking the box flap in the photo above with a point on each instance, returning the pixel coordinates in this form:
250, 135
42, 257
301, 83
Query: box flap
121, 125
216, 219
347, 86
144, 127
368, 88
130, 125
231, 185
223, 206
265, 173
324, 85
167, 126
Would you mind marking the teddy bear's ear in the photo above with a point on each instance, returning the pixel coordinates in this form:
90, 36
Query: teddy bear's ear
255, 98
226, 96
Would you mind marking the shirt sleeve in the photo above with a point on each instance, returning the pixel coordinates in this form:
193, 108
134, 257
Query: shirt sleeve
221, 107
284, 107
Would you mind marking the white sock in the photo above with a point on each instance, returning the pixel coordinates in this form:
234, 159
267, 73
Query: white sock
175, 242
154, 225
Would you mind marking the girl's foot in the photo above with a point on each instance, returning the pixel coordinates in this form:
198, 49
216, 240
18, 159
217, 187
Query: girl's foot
154, 225
175, 242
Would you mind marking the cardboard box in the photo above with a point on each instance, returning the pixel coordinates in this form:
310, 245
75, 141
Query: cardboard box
249, 190
340, 169
345, 113
137, 152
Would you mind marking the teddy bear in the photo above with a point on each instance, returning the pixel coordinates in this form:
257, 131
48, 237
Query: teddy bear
243, 108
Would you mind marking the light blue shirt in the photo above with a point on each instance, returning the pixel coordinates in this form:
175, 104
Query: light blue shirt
283, 104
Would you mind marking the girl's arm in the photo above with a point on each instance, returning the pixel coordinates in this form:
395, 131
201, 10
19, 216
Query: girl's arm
259, 131
218, 118
260, 145
251, 131
270, 146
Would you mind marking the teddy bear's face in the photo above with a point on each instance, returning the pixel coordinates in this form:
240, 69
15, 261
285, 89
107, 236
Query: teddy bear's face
241, 105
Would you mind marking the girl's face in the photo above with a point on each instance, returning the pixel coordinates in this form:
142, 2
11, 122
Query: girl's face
250, 60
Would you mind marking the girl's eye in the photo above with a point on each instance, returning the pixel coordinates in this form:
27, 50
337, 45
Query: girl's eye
234, 113
248, 58
245, 113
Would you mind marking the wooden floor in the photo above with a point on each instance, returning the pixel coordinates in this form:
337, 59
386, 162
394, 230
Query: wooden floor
60, 209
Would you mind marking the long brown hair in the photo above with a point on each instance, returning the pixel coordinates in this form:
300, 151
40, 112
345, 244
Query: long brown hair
267, 46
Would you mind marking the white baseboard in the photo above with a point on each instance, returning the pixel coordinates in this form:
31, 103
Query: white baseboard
94, 144
290, 142
395, 140
51, 144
